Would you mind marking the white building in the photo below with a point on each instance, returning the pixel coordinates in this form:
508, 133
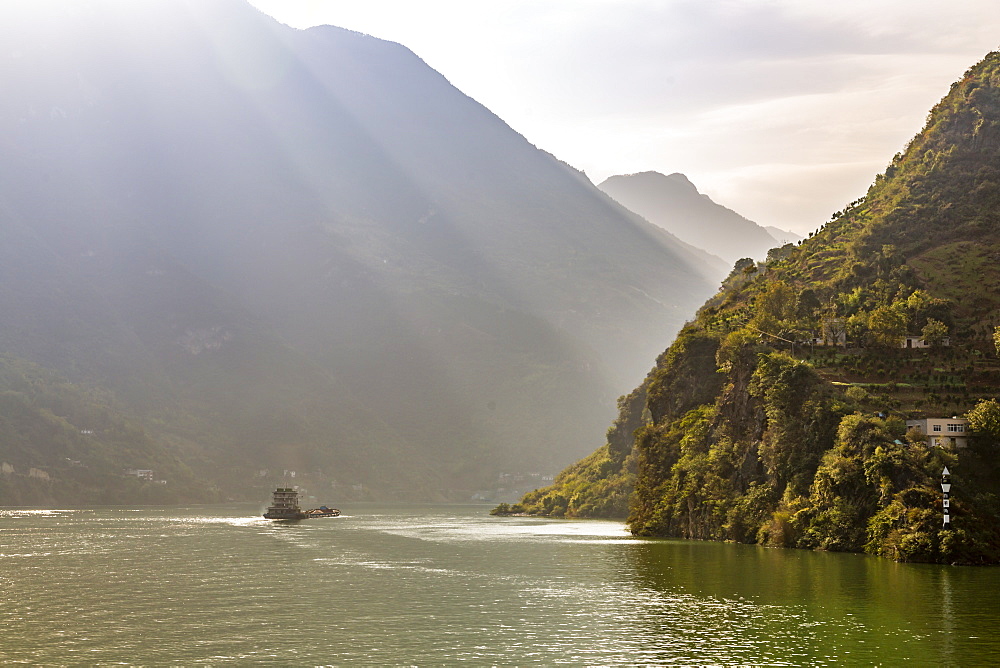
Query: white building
917, 341
940, 432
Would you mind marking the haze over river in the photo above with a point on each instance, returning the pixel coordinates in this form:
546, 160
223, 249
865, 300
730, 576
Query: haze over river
432, 585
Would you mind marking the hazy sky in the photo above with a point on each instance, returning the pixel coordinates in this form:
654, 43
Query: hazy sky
783, 110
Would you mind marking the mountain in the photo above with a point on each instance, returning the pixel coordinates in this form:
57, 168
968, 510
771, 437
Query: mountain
740, 434
285, 250
674, 203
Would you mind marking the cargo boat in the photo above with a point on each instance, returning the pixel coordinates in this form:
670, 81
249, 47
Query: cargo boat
285, 506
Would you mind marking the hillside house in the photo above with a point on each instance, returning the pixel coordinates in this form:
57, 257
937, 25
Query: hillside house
941, 432
917, 341
833, 333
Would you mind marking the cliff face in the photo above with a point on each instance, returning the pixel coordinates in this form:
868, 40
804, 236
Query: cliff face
778, 415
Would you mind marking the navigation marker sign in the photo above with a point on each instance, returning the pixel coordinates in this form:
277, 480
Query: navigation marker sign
946, 491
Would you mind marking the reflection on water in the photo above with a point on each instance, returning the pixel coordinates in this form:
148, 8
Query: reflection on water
439, 585
837, 607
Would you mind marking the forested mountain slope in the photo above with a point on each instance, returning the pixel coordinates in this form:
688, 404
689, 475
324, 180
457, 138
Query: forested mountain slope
778, 414
63, 443
282, 249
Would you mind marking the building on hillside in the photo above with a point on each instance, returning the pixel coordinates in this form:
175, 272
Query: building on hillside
917, 341
833, 333
940, 432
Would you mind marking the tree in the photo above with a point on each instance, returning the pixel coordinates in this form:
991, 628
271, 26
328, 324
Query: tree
918, 300
934, 332
742, 265
776, 255
775, 305
807, 304
922, 307
984, 419
996, 338
887, 326
834, 331
856, 326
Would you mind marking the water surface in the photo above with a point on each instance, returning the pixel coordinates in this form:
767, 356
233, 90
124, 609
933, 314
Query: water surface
435, 585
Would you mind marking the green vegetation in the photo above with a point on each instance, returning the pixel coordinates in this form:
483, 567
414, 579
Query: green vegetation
66, 444
778, 415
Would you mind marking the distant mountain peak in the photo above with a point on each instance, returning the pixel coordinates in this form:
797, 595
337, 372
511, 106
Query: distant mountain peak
674, 203
653, 177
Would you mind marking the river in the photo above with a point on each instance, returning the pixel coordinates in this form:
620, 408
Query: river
440, 585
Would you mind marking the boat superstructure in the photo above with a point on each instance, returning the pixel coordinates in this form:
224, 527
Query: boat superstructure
285, 506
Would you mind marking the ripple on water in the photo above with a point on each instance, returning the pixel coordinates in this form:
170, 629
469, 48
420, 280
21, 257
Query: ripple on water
202, 587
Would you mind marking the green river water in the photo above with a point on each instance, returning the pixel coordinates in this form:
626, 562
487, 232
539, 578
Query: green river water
446, 585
